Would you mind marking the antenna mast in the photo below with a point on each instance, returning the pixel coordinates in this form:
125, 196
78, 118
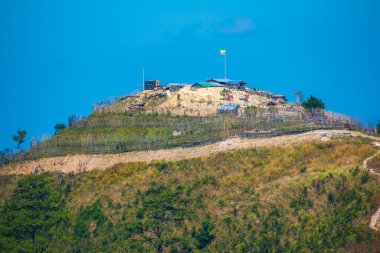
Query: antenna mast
143, 80
299, 97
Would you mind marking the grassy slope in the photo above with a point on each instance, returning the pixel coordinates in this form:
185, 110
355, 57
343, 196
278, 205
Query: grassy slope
374, 164
115, 133
305, 198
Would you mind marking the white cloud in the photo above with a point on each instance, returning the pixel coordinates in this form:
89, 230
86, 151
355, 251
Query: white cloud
239, 25
202, 24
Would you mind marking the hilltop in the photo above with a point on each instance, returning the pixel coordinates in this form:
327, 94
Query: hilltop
184, 115
197, 101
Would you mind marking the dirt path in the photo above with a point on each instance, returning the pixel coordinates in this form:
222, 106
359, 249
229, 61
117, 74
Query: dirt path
81, 163
374, 224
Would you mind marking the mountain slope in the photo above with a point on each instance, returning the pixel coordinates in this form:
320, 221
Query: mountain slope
310, 197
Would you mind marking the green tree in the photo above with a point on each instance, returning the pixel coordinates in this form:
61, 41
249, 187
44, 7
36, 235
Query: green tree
378, 128
59, 127
313, 103
34, 218
162, 209
19, 138
204, 235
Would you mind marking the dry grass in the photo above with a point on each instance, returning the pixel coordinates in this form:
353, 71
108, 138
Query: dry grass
268, 171
243, 184
374, 164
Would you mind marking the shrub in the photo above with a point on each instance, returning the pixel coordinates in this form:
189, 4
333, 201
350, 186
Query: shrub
313, 103
59, 127
365, 177
330, 197
86, 216
355, 171
161, 167
204, 235
303, 169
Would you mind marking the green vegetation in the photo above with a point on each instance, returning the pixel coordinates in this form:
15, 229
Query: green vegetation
307, 198
35, 218
378, 128
59, 127
313, 103
19, 138
115, 133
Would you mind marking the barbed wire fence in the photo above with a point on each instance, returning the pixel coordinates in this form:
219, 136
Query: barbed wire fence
100, 134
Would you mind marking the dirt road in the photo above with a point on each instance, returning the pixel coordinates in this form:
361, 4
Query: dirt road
81, 163
375, 219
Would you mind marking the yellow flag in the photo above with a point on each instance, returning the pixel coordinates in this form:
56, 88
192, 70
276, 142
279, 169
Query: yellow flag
223, 52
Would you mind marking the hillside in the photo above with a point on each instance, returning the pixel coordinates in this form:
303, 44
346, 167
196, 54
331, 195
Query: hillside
81, 163
186, 116
166, 171
308, 197
196, 102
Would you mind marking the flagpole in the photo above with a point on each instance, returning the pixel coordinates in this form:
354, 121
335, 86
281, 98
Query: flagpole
225, 66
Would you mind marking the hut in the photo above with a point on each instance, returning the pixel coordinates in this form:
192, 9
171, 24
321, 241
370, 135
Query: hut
174, 87
151, 84
279, 97
262, 93
237, 84
232, 109
206, 85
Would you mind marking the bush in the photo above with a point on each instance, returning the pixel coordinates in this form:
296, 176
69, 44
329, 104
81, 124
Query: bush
86, 216
59, 127
204, 235
330, 197
303, 170
365, 177
313, 103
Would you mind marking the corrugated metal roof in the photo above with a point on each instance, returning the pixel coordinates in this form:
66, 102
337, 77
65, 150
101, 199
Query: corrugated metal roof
219, 80
233, 82
228, 107
177, 84
206, 85
227, 81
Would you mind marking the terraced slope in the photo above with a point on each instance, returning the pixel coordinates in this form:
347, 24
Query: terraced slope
81, 163
103, 133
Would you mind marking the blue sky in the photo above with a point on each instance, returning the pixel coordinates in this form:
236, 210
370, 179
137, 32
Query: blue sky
59, 57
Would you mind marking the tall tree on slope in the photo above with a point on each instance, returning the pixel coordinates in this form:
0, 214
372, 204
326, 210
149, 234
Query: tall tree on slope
19, 138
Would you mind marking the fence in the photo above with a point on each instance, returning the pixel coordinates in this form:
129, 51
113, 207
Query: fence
117, 133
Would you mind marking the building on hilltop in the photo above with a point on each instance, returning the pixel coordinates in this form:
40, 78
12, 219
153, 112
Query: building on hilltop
237, 84
151, 84
206, 85
173, 87
279, 98
232, 109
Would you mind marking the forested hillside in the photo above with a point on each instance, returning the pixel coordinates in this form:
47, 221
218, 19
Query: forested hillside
313, 197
